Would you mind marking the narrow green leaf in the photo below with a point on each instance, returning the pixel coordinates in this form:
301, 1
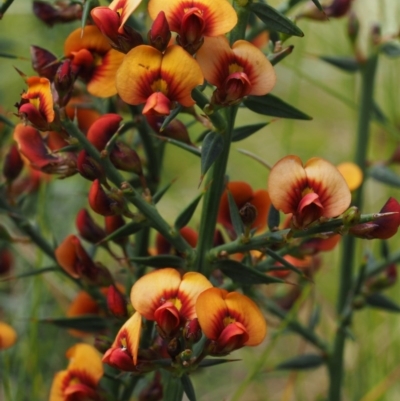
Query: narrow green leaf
273, 218
316, 2
188, 387
160, 261
171, 116
189, 148
315, 317
6, 121
87, 6
12, 56
274, 20
187, 213
348, 64
384, 174
243, 274
283, 261
379, 115
391, 49
270, 105
212, 147
31, 273
89, 323
161, 192
384, 251
235, 215
381, 301
201, 137
213, 362
276, 58
125, 231
306, 361
244, 132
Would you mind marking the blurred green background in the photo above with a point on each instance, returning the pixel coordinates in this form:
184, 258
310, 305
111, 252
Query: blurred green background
331, 97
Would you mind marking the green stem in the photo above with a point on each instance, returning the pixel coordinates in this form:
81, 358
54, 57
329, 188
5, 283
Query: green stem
4, 7
147, 209
335, 364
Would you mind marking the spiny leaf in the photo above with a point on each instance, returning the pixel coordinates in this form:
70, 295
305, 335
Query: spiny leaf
187, 213
31, 273
213, 362
88, 5
384, 174
161, 192
212, 147
306, 361
244, 132
160, 261
274, 20
348, 64
316, 2
126, 230
381, 301
6, 121
89, 323
276, 58
243, 274
391, 49
235, 215
270, 105
188, 387
189, 148
171, 116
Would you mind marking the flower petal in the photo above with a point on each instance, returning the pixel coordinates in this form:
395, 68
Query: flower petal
262, 203
92, 39
8, 336
192, 285
325, 179
85, 357
153, 289
245, 311
352, 174
125, 8
286, 182
56, 391
259, 70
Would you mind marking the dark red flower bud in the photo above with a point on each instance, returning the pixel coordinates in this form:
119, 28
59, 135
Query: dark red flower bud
192, 331
116, 302
159, 34
64, 82
87, 228
6, 261
126, 159
44, 62
89, 168
120, 359
383, 227
63, 11
248, 214
338, 8
105, 204
192, 28
103, 129
13, 164
175, 129
114, 223
163, 247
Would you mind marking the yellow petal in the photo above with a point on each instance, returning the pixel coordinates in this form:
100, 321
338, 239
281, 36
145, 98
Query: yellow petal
125, 8
149, 291
352, 174
85, 358
56, 392
92, 39
192, 285
286, 182
325, 179
140, 67
8, 336
259, 70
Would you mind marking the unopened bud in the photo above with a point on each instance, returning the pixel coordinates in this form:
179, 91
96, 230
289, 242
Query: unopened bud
105, 204
116, 302
63, 11
192, 331
89, 168
102, 130
248, 214
114, 223
159, 34
13, 164
126, 159
102, 343
64, 82
44, 62
87, 228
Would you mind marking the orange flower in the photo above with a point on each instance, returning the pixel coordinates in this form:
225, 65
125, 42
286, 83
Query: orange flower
351, 173
231, 320
158, 79
237, 72
85, 113
80, 380
8, 336
310, 192
37, 104
242, 193
93, 60
166, 297
195, 19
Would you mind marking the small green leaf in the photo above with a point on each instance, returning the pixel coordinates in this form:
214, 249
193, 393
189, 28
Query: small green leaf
235, 215
391, 49
34, 272
6, 121
87, 6
306, 361
243, 274
160, 261
125, 231
189, 148
316, 2
315, 317
188, 387
187, 213
348, 64
201, 137
379, 115
381, 301
212, 147
276, 58
274, 20
244, 132
89, 323
213, 362
384, 174
273, 218
270, 105
161, 192
171, 116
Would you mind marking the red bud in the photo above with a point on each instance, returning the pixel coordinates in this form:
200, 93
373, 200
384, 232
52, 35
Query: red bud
13, 164
159, 34
103, 129
116, 302
87, 228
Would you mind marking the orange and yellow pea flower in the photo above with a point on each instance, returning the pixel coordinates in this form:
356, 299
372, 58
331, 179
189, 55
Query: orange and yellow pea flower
351, 173
236, 72
80, 380
310, 192
195, 19
93, 60
230, 320
8, 336
158, 79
